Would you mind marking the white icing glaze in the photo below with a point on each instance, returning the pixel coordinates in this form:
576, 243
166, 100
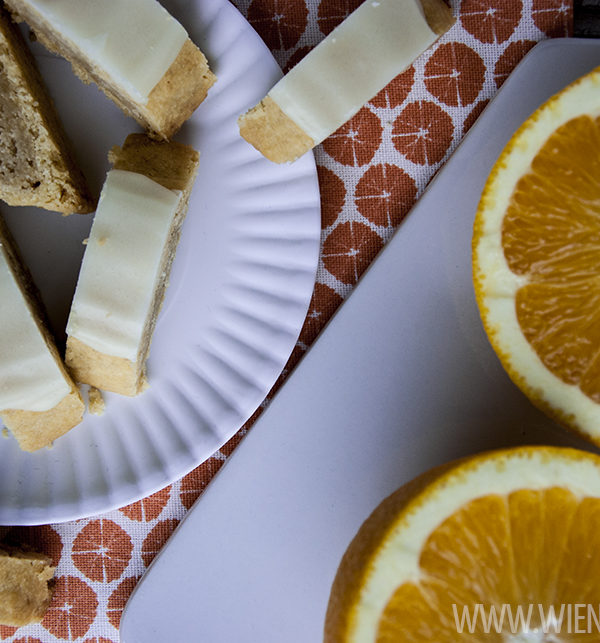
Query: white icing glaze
30, 379
121, 265
356, 60
132, 41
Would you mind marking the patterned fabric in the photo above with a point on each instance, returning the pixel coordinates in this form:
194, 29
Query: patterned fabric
371, 172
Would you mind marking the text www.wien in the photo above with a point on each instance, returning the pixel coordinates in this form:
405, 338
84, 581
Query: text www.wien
566, 618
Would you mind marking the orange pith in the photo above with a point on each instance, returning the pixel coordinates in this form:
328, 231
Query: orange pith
527, 547
551, 236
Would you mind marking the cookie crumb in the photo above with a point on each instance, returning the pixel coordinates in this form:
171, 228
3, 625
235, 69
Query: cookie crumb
96, 401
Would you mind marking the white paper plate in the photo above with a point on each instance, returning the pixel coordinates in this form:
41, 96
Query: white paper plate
255, 558
240, 288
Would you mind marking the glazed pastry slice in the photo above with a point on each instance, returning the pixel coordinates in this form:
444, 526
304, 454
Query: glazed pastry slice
38, 400
25, 590
329, 85
127, 261
134, 50
36, 164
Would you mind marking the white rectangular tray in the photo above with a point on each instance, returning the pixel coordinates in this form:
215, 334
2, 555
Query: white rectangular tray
402, 379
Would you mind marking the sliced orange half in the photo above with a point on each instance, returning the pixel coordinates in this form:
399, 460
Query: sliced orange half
513, 528
536, 257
